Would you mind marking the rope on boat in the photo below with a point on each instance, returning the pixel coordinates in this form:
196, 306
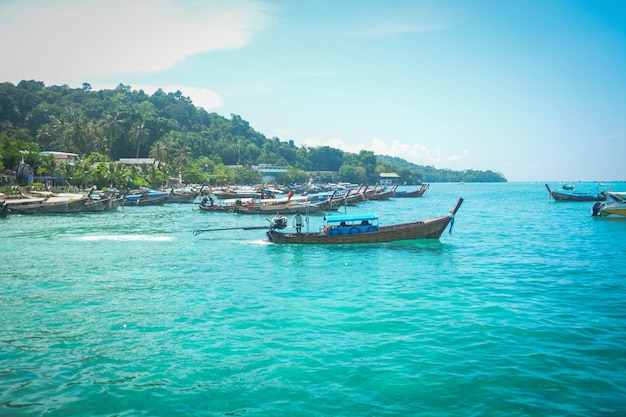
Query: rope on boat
275, 223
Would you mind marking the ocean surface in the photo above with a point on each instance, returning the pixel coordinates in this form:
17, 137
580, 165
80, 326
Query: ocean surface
521, 311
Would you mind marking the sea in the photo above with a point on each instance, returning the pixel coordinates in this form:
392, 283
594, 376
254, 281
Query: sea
519, 311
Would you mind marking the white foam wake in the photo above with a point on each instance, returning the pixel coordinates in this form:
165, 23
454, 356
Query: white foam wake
127, 238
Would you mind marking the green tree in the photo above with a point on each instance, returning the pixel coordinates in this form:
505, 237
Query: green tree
112, 126
352, 174
138, 134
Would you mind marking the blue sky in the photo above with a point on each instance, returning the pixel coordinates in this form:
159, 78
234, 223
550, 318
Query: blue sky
533, 89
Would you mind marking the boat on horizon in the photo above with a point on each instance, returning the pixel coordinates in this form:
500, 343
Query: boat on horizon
362, 228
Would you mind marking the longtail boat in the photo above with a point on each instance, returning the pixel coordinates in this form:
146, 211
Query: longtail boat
569, 193
53, 204
362, 228
415, 193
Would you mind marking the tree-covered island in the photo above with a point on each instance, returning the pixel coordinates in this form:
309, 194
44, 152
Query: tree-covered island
106, 125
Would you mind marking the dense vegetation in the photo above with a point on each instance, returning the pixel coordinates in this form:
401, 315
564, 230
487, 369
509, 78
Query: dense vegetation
103, 126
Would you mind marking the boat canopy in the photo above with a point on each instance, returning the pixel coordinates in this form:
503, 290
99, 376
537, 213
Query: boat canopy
351, 218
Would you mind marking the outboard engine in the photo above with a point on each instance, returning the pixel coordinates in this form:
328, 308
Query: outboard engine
279, 222
595, 210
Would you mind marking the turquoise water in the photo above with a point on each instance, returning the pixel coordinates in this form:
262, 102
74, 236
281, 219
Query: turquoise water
520, 311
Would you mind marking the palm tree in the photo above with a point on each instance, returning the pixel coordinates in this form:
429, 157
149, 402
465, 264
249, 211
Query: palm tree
160, 152
95, 137
44, 136
113, 172
139, 133
112, 128
62, 130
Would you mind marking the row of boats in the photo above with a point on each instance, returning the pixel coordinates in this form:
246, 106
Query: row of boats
45, 202
238, 200
270, 204
606, 202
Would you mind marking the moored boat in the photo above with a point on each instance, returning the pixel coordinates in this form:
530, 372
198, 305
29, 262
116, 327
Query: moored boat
570, 193
363, 228
140, 200
52, 204
615, 206
379, 194
145, 197
293, 208
185, 195
413, 193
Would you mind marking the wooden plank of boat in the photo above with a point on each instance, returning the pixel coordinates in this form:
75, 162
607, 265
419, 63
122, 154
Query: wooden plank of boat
370, 233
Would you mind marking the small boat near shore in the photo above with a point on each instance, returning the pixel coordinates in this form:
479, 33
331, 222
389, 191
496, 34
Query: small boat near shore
145, 197
413, 193
49, 204
362, 228
185, 195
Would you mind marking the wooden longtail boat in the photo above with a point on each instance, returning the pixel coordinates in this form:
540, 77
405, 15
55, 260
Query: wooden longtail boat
382, 194
182, 196
570, 194
364, 228
143, 201
416, 193
57, 204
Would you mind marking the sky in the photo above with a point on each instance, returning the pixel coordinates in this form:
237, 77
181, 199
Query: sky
532, 89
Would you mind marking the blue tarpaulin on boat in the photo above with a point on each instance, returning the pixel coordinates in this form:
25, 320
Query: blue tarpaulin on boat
351, 218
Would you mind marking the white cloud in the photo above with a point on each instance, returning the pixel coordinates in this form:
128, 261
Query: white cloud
464, 155
201, 97
69, 41
394, 20
416, 153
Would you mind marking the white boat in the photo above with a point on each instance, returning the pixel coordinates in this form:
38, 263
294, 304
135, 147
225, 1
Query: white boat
615, 205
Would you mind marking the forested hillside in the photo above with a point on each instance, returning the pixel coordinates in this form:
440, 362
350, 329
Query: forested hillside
103, 126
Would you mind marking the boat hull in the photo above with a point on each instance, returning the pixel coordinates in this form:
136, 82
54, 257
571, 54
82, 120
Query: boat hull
145, 201
577, 197
425, 229
49, 207
182, 197
407, 194
615, 207
569, 194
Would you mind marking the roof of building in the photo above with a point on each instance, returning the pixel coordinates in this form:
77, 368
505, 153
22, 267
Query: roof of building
138, 161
